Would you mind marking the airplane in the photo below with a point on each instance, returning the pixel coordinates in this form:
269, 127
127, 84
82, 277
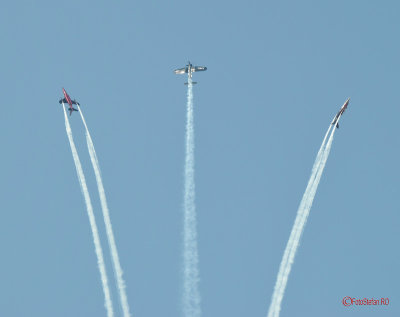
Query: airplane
189, 69
341, 111
67, 99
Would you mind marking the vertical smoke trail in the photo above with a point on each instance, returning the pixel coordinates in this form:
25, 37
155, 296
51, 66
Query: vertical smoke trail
298, 227
92, 220
191, 294
106, 215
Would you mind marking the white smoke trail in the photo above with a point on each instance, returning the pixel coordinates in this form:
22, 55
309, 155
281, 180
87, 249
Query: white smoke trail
106, 215
92, 220
191, 294
298, 227
298, 217
324, 159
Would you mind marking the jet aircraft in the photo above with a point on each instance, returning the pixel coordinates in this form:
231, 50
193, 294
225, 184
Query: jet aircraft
67, 99
341, 111
189, 69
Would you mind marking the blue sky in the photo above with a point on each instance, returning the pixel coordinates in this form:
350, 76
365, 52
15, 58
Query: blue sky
277, 74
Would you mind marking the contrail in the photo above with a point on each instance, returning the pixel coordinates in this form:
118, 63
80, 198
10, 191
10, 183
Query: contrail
191, 294
300, 221
92, 220
107, 221
314, 187
283, 264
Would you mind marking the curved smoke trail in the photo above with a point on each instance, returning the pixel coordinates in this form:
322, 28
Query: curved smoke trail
299, 224
299, 216
92, 220
191, 294
107, 221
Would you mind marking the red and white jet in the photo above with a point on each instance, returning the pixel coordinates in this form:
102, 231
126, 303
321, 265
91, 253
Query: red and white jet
341, 111
67, 99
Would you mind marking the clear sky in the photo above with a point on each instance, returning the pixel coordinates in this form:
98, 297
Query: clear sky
278, 71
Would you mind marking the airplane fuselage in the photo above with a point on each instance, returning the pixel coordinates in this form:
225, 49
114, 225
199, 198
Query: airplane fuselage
67, 98
190, 70
341, 111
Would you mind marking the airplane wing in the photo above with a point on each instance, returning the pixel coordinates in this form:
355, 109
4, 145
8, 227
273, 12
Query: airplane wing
180, 70
63, 101
199, 68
